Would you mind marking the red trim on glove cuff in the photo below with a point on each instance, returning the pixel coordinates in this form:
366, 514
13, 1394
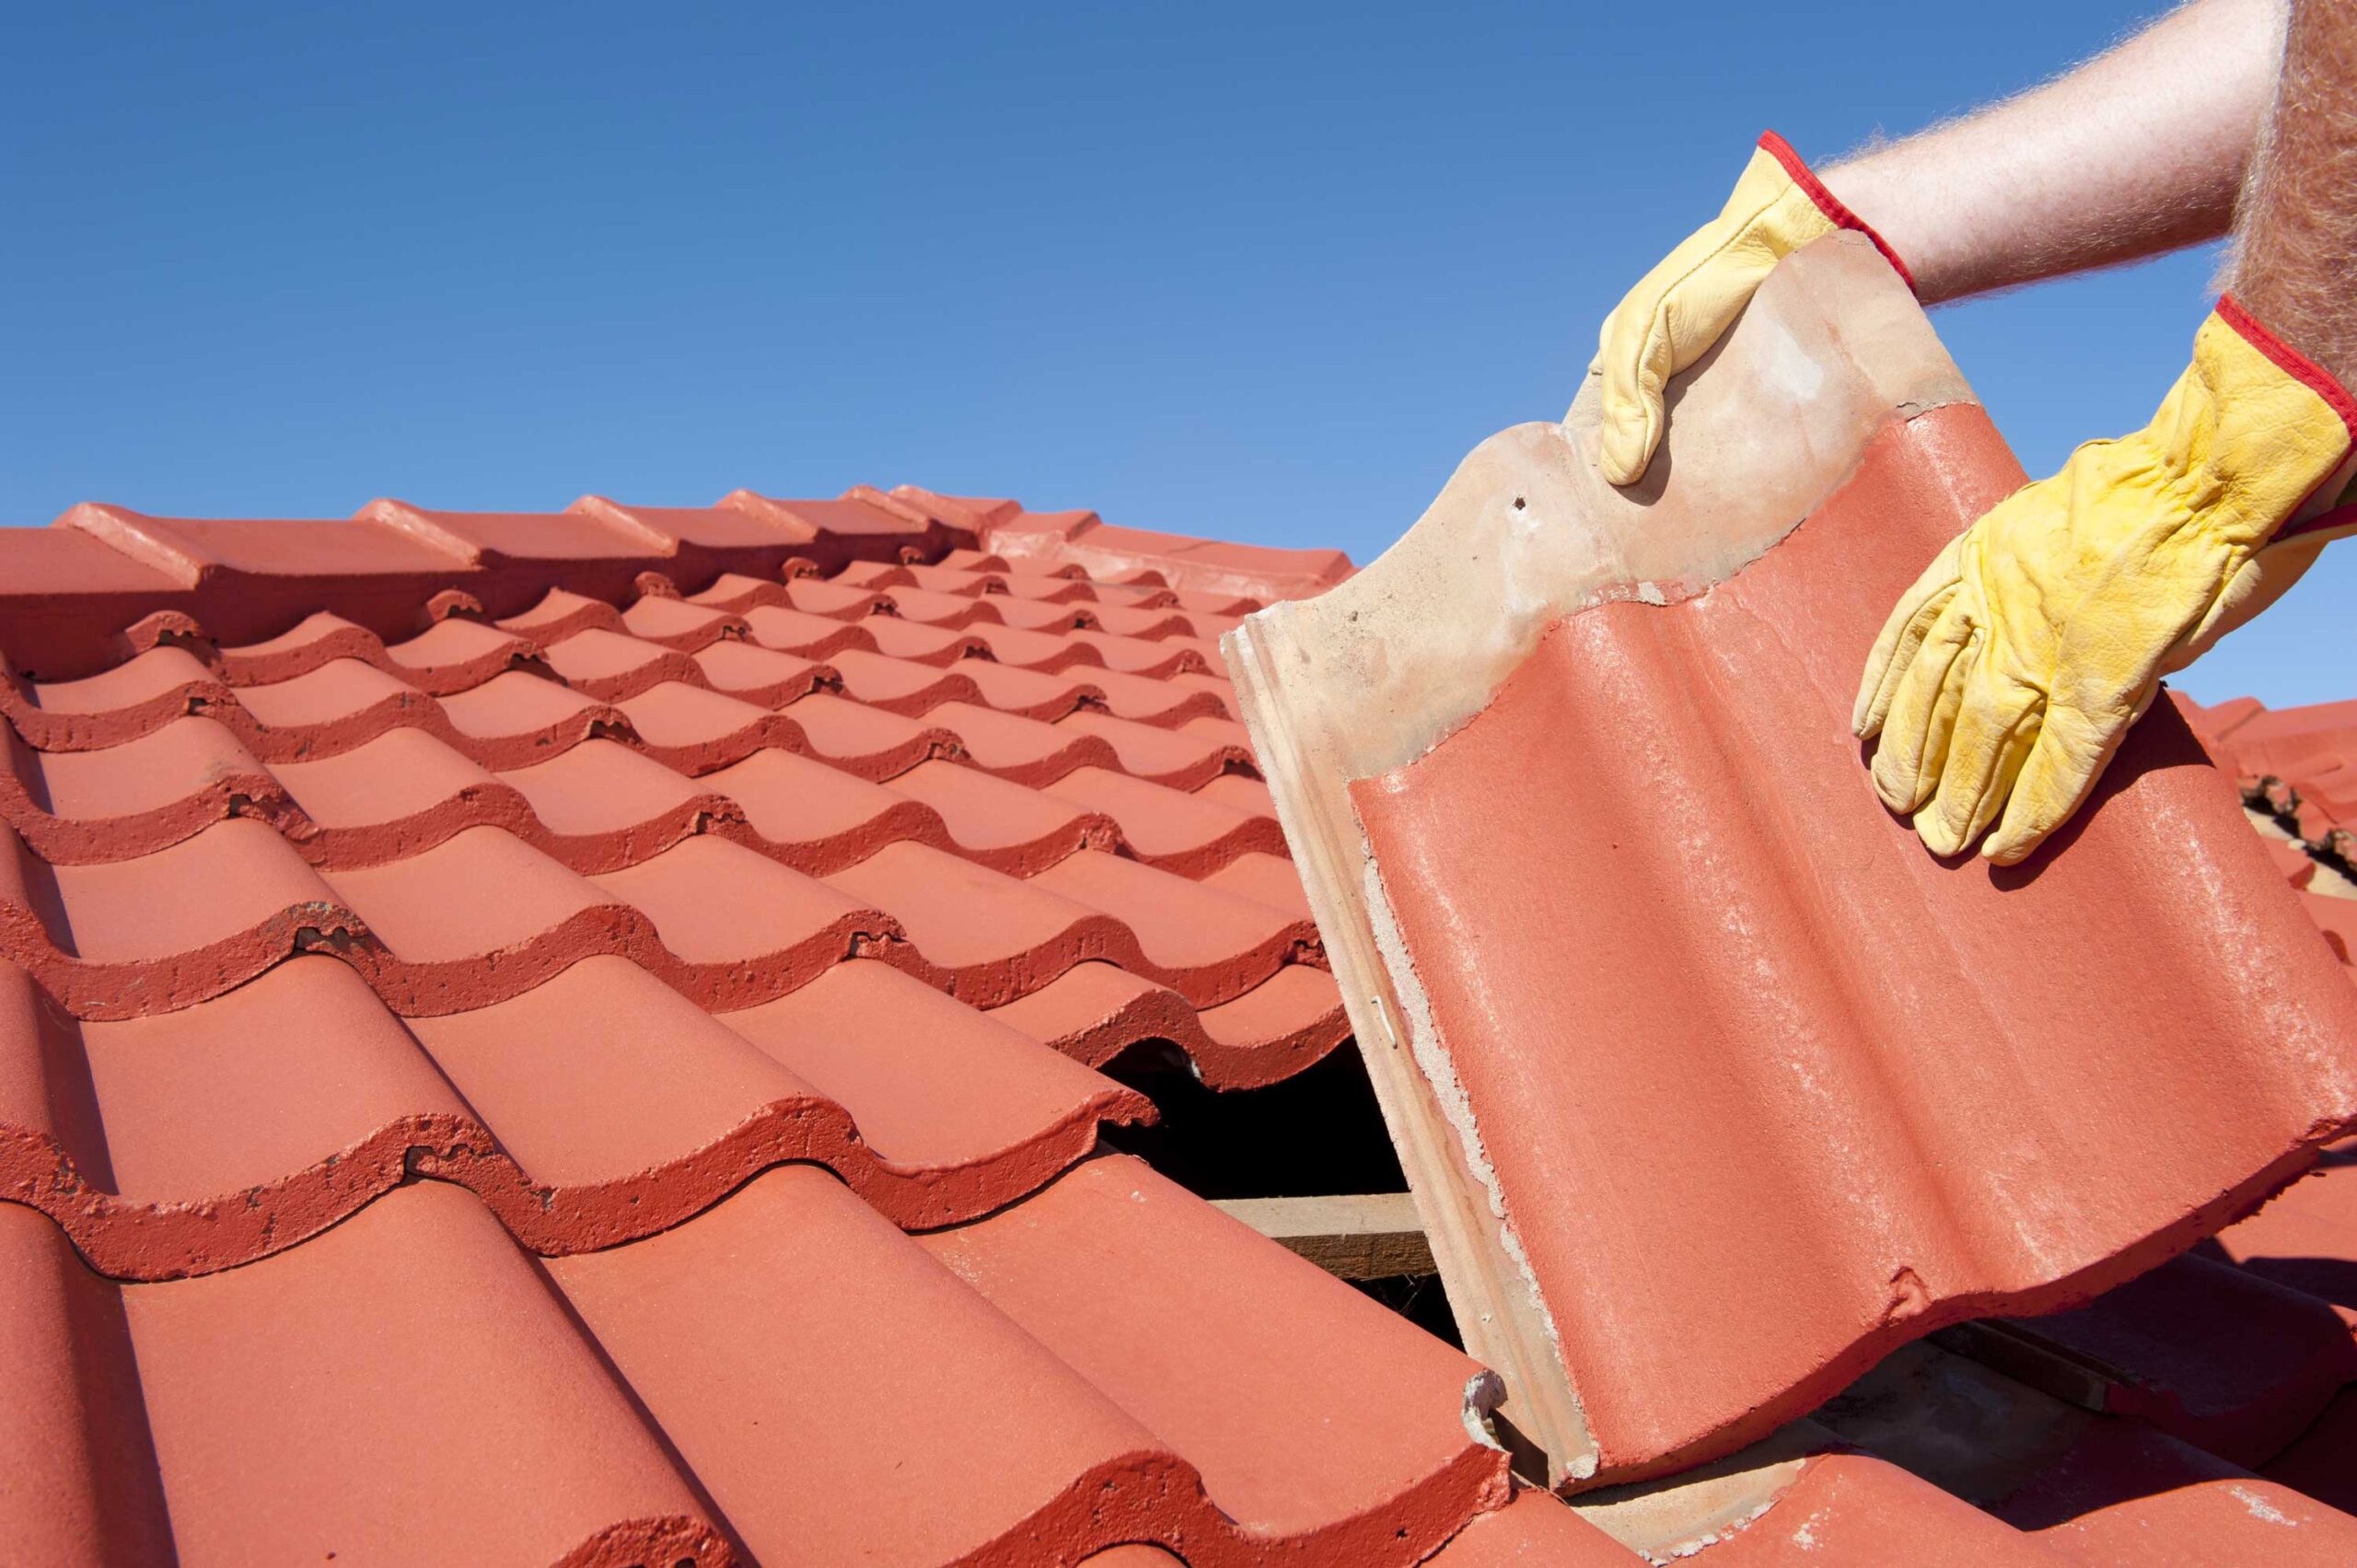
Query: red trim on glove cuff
2337, 517
2317, 379
1828, 204
2291, 361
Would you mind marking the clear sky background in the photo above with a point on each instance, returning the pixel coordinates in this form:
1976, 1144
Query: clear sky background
1259, 271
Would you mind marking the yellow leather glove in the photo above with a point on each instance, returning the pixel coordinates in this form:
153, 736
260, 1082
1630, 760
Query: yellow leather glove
2010, 672
1677, 311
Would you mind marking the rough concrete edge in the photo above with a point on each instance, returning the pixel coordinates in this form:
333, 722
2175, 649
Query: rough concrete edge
1457, 1108
1679, 1516
1527, 532
1490, 1310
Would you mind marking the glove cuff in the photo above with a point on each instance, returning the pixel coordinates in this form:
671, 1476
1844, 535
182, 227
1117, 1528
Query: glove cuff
1836, 212
2317, 379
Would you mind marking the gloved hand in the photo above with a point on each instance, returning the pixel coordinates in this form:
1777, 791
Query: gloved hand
2010, 672
1677, 311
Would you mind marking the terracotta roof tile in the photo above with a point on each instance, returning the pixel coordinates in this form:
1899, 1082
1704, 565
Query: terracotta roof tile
545, 536
282, 1404
696, 730
163, 929
1036, 694
1002, 825
190, 549
831, 600
1758, 1090
559, 613
510, 721
1598, 669
610, 666
897, 685
1533, 1529
404, 790
134, 699
762, 676
1094, 1011
733, 528
1184, 758
1267, 878
817, 818
1022, 649
934, 644
78, 806
1167, 828
1026, 750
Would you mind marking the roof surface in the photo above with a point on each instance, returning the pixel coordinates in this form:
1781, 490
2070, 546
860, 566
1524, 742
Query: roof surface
569, 1037
571, 1042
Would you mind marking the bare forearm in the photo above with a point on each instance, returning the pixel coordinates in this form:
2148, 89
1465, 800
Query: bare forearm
2141, 150
2296, 237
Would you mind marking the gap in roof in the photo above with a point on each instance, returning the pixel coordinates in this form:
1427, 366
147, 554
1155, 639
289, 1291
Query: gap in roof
1317, 1134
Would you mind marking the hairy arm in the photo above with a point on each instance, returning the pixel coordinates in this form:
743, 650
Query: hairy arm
2296, 244
2141, 150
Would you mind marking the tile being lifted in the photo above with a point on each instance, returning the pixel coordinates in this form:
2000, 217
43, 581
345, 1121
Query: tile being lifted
1713, 1086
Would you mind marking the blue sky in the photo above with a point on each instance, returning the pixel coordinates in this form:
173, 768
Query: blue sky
1265, 273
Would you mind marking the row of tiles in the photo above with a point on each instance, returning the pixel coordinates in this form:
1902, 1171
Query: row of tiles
275, 1410
357, 780
601, 804
785, 1376
483, 916
461, 647
597, 1107
394, 567
994, 538
493, 711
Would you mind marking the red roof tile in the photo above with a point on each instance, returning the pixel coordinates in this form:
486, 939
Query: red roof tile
1756, 795
1758, 1089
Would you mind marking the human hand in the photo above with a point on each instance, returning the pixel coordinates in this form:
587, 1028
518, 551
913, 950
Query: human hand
2012, 669
1677, 311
